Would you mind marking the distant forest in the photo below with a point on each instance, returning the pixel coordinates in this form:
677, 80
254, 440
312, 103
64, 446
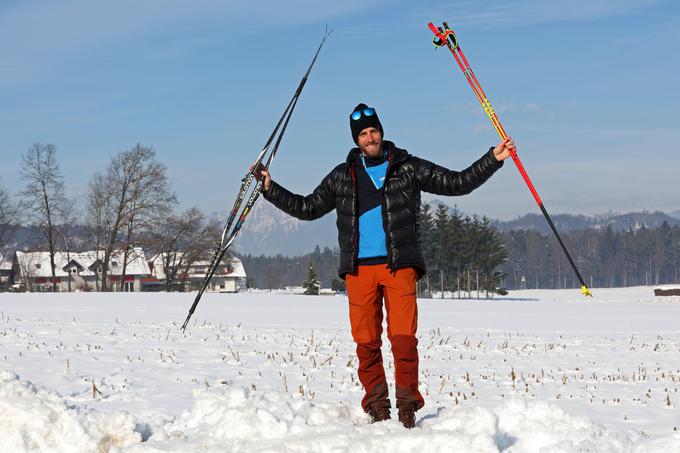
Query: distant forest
605, 258
466, 253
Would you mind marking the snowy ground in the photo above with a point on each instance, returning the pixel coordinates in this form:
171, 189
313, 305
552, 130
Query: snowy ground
533, 371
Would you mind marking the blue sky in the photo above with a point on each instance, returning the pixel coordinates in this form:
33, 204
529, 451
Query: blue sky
588, 89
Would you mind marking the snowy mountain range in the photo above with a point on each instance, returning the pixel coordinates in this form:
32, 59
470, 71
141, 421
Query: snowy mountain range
566, 222
270, 231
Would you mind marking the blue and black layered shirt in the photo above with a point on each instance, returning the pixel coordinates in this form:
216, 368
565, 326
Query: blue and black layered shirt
370, 181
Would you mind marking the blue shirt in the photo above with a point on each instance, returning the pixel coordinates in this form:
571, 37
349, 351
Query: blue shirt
370, 181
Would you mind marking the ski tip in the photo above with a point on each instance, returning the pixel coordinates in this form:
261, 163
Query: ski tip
586, 292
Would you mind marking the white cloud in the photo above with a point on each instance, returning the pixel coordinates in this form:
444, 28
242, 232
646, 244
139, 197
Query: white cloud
480, 129
476, 109
504, 107
462, 107
531, 108
36, 36
496, 12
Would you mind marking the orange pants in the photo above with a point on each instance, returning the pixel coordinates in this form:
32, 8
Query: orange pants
366, 289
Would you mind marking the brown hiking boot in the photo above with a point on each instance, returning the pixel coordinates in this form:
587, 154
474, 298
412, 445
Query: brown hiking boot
379, 413
407, 416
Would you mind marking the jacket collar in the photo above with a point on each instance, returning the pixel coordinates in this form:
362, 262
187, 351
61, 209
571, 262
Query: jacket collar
394, 154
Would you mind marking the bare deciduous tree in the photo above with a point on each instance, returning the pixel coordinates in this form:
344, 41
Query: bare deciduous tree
9, 217
97, 217
44, 196
131, 196
26, 270
182, 241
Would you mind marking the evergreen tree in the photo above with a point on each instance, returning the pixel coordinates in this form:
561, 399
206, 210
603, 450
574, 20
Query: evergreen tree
427, 241
492, 254
312, 284
458, 245
441, 243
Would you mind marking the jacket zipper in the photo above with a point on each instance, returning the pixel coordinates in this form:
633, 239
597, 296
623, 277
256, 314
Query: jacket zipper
388, 247
355, 239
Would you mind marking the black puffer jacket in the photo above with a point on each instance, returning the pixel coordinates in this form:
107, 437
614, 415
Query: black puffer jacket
406, 177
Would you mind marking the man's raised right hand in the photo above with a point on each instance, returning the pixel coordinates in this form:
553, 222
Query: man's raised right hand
267, 179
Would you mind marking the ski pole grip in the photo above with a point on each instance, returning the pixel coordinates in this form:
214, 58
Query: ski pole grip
436, 32
257, 171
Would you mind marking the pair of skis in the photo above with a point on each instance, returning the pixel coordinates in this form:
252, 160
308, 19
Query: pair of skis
444, 36
252, 180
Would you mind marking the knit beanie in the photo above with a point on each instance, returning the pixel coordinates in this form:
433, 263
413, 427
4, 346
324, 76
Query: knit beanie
363, 122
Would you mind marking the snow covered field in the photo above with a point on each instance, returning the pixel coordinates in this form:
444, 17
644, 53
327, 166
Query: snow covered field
533, 371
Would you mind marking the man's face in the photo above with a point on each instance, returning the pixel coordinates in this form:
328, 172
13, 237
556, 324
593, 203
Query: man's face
370, 142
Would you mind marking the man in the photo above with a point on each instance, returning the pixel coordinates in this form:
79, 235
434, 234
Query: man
376, 193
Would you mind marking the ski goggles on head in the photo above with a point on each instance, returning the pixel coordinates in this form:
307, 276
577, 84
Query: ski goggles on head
368, 111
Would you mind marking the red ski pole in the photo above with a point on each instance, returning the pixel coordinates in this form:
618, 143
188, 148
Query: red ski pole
444, 36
